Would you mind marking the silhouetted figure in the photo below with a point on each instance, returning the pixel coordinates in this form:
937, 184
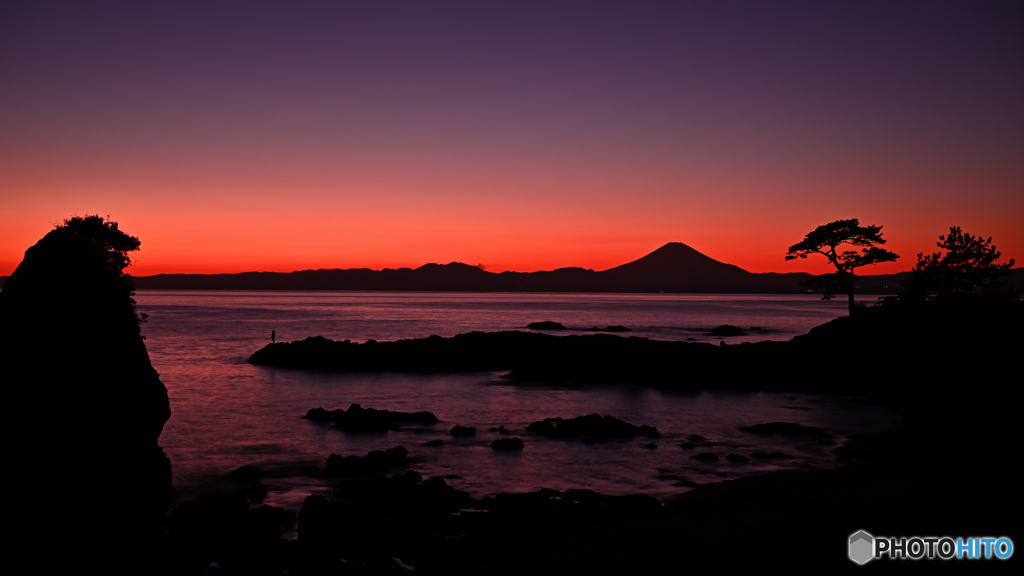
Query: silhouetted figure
273, 336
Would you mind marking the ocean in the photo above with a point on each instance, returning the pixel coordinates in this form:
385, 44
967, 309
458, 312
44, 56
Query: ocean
227, 413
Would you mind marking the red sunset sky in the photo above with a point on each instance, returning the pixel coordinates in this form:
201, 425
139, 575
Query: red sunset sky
233, 136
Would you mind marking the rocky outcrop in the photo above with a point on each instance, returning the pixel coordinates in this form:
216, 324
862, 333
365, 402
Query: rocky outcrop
459, 430
359, 419
615, 328
727, 330
591, 426
545, 325
84, 407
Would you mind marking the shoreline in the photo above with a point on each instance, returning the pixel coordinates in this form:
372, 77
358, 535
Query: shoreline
903, 481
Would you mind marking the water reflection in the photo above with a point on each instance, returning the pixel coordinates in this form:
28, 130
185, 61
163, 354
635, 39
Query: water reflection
227, 413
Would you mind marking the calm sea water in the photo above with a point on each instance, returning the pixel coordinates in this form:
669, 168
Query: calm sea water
227, 413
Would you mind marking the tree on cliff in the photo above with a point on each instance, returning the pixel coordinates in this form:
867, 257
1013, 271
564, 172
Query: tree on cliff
827, 240
103, 236
968, 267
110, 245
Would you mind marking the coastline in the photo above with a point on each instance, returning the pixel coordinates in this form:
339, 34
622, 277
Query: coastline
901, 482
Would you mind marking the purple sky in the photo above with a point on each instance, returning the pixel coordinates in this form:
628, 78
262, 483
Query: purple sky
236, 136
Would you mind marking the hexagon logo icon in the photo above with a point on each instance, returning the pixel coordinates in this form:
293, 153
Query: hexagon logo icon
861, 545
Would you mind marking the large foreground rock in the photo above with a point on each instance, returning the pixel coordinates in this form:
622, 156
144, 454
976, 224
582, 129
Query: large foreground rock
84, 406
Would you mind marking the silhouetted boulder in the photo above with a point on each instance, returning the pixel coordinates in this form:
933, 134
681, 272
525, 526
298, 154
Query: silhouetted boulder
727, 330
458, 430
507, 444
546, 325
80, 389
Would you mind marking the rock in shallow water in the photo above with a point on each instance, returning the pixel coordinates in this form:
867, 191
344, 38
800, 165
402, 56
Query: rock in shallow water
359, 419
727, 330
507, 444
458, 430
593, 426
545, 325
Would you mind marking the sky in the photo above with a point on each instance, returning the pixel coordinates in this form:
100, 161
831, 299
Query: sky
280, 136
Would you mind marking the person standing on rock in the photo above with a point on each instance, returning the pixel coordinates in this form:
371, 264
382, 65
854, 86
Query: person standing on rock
273, 336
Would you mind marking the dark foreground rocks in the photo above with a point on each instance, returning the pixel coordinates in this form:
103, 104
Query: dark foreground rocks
885, 488
944, 471
224, 529
368, 525
377, 524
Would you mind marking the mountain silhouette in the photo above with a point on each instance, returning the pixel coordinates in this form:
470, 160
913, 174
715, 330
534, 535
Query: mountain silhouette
674, 267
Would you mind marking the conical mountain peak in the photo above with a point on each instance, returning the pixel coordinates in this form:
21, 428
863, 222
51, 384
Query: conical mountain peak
676, 266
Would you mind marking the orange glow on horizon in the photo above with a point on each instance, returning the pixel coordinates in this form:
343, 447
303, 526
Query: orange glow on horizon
522, 138
196, 243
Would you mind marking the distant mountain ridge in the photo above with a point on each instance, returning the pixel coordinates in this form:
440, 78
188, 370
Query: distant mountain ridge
673, 268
